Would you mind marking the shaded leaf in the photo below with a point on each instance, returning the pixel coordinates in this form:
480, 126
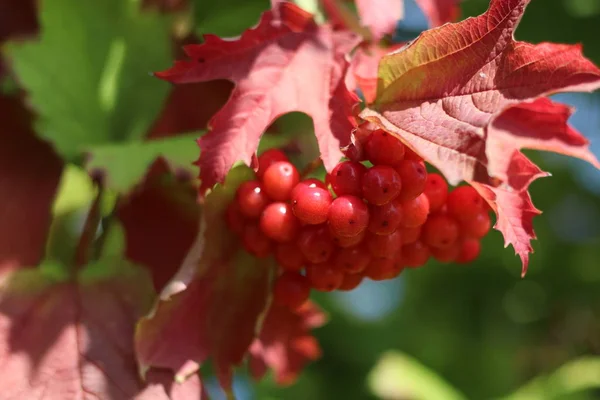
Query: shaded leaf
441, 93
285, 343
438, 12
270, 65
18, 18
211, 308
29, 175
88, 81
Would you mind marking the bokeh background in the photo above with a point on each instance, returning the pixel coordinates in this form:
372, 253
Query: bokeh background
446, 331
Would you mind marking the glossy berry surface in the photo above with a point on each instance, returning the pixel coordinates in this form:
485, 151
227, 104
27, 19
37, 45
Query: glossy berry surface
351, 282
252, 199
279, 180
440, 231
447, 254
348, 216
352, 260
476, 227
413, 176
291, 290
307, 183
436, 190
384, 245
324, 277
415, 254
382, 268
381, 184
415, 212
469, 251
278, 222
255, 241
346, 178
385, 219
289, 257
315, 243
349, 241
464, 203
267, 158
381, 148
311, 204
410, 235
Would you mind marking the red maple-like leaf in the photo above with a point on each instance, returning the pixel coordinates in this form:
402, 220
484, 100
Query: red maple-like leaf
67, 337
286, 63
457, 94
29, 176
438, 12
212, 306
285, 342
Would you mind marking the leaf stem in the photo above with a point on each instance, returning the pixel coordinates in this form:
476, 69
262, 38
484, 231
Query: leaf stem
88, 232
311, 167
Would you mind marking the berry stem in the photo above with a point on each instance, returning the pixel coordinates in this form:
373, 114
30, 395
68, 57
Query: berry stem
88, 233
311, 167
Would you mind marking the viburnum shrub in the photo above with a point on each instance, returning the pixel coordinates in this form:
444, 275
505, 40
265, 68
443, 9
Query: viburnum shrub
419, 152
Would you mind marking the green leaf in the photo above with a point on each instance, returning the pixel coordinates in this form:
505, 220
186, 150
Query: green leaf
126, 164
88, 74
228, 17
398, 376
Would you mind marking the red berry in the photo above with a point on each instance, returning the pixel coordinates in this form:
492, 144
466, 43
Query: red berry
415, 211
381, 268
464, 203
440, 231
278, 222
267, 158
291, 290
315, 243
436, 190
469, 251
385, 219
255, 241
410, 235
348, 241
384, 149
381, 184
348, 216
477, 227
252, 199
289, 256
413, 176
351, 282
324, 277
235, 219
352, 260
279, 180
346, 178
411, 155
307, 183
415, 254
447, 254
311, 204
384, 245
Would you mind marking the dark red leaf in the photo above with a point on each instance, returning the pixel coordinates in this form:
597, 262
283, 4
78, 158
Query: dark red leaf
270, 65
457, 96
285, 342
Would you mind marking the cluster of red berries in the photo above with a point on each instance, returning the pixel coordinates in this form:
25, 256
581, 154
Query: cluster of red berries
373, 222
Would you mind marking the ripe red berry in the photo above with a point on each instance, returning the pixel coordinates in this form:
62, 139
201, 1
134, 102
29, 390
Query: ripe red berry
352, 260
415, 211
440, 231
279, 180
381, 184
477, 227
346, 178
235, 219
324, 277
415, 254
267, 158
348, 216
436, 190
381, 268
385, 219
384, 245
291, 290
315, 243
411, 155
289, 257
413, 176
410, 235
351, 282
255, 241
348, 241
278, 222
307, 183
469, 251
311, 204
447, 254
464, 203
252, 199
384, 149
